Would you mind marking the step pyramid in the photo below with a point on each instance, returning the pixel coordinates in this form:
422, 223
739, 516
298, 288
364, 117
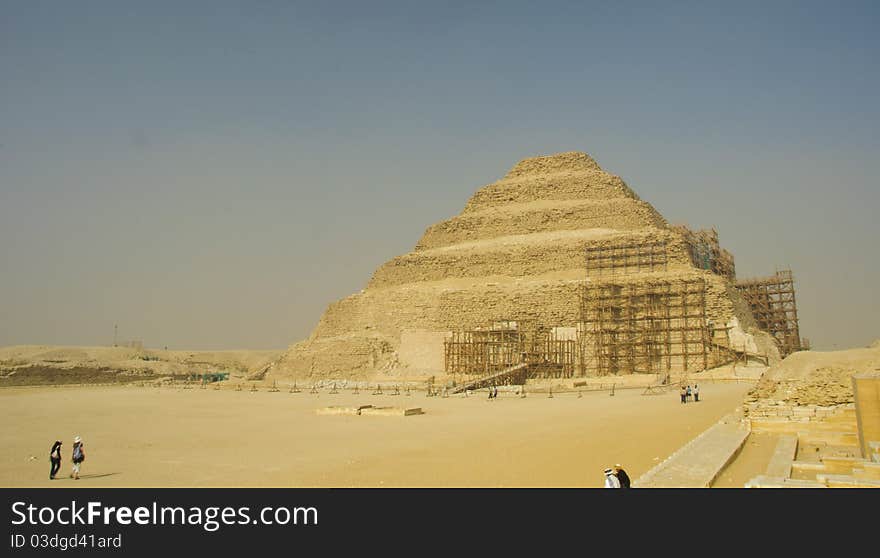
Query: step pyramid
516, 251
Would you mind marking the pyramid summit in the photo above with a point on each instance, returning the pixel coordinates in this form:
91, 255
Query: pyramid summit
523, 251
560, 162
568, 191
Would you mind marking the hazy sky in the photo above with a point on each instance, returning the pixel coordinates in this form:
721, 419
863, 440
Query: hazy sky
213, 174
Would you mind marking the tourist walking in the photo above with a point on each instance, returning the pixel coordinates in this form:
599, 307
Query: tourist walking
696, 393
683, 394
79, 455
622, 477
494, 392
55, 458
611, 480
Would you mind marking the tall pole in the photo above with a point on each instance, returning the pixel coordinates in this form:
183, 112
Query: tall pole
115, 330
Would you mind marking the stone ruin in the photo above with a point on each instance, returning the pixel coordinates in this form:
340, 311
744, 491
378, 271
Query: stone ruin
558, 265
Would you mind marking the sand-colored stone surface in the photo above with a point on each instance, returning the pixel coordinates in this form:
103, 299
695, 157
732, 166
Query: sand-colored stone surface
167, 437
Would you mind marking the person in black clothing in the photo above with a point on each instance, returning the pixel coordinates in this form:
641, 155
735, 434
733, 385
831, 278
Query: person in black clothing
622, 476
55, 457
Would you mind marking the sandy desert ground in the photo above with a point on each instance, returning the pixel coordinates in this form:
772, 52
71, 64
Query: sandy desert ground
173, 437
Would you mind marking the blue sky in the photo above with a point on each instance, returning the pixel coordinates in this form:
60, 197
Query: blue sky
213, 174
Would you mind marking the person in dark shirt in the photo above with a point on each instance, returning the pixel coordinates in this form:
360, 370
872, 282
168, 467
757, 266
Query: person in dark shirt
622, 476
55, 458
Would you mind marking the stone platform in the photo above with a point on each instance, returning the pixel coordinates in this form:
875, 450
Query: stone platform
700, 461
371, 410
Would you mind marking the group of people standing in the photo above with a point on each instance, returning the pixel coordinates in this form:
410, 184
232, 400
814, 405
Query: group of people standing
78, 455
687, 392
616, 477
493, 392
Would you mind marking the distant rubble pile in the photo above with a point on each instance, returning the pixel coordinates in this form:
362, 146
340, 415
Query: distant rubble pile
816, 378
826, 386
47, 365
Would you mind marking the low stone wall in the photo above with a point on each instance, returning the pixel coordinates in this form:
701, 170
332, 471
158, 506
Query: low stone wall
781, 410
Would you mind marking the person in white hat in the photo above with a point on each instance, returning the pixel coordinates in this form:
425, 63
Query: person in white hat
610, 479
79, 455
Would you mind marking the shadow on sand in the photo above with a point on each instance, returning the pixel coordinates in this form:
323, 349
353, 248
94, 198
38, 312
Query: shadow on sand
92, 476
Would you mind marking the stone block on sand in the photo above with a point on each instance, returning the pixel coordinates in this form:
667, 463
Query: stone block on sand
338, 411
393, 411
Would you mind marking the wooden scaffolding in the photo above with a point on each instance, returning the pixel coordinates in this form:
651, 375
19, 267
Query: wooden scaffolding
505, 344
653, 327
706, 252
773, 303
614, 259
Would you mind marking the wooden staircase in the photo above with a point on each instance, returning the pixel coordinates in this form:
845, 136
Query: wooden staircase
515, 374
